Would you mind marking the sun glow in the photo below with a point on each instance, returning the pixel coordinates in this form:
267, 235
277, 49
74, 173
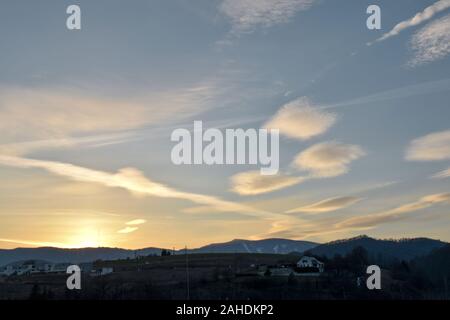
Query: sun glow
86, 238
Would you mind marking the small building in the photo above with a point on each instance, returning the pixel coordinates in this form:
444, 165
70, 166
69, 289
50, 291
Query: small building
48, 267
86, 267
101, 272
307, 262
59, 268
28, 267
8, 270
106, 271
283, 272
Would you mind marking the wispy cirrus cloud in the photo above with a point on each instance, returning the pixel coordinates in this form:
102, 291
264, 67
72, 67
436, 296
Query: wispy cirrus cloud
253, 183
295, 228
422, 88
420, 17
328, 159
91, 141
247, 15
432, 42
136, 222
44, 118
327, 205
128, 230
131, 226
36, 243
50, 115
398, 213
442, 174
129, 179
301, 229
431, 147
299, 119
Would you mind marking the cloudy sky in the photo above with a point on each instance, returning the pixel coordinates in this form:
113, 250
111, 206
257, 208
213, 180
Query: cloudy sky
86, 118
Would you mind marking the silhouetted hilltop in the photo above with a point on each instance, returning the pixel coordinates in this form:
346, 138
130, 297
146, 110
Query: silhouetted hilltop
380, 249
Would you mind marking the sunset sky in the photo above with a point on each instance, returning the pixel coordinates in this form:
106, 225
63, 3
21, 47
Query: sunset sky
86, 118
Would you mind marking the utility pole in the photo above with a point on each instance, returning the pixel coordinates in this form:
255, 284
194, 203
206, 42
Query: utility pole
446, 287
187, 273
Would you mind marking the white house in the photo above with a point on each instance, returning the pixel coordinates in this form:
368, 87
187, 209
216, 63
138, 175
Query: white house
281, 271
27, 267
18, 269
33, 266
101, 272
59, 267
310, 262
106, 271
48, 267
8, 270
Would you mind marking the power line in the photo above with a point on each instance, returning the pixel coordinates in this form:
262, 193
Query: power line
187, 274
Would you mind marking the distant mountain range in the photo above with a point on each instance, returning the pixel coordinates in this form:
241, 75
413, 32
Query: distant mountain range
280, 246
56, 255
401, 249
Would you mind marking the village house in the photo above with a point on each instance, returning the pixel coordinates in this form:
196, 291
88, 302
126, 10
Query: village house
106, 271
306, 266
282, 271
101, 272
26, 268
36, 266
23, 268
59, 268
32, 267
8, 270
310, 262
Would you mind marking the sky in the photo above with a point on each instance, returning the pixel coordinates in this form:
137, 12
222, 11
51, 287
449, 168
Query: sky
86, 118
